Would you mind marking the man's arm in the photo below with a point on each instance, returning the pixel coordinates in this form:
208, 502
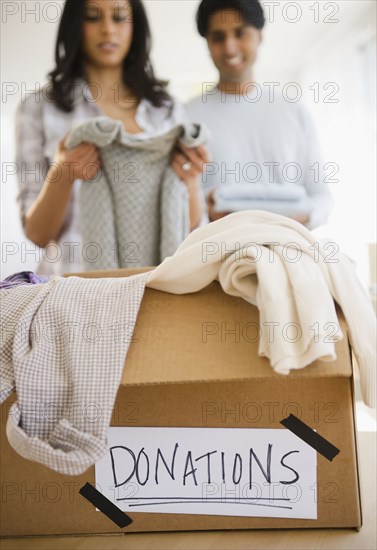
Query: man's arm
314, 176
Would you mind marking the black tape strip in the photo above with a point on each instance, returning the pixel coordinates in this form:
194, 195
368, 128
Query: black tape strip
312, 438
105, 505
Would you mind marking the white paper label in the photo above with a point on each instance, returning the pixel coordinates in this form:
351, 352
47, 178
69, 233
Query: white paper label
216, 471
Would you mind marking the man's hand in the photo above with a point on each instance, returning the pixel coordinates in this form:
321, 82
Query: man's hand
212, 214
303, 218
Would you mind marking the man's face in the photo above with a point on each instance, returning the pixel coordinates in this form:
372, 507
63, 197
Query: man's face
232, 44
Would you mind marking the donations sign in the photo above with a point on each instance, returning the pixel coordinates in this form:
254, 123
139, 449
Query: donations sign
216, 471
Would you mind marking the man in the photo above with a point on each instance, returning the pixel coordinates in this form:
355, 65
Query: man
257, 136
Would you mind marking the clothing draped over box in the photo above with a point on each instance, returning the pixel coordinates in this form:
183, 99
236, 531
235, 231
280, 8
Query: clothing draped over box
62, 352
276, 264
63, 346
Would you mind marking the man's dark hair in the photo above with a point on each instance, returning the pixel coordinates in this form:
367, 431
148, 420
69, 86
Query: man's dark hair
251, 12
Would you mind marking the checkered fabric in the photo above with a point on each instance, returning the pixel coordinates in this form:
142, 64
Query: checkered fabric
135, 211
63, 346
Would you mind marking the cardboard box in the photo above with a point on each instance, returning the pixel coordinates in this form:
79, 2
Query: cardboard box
192, 366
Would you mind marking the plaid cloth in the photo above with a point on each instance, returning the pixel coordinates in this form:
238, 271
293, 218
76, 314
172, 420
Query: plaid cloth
135, 210
63, 346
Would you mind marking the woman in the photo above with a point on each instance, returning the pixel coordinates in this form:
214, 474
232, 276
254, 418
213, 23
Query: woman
102, 68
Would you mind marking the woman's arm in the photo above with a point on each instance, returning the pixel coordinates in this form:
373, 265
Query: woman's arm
314, 177
44, 192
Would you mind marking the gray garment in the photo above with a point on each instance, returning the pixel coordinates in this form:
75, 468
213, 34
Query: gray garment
135, 211
282, 207
63, 347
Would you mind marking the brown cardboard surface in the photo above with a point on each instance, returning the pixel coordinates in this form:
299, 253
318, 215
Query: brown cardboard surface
169, 322
173, 378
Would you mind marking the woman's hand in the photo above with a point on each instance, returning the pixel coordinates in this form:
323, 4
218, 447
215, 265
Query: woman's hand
81, 162
188, 162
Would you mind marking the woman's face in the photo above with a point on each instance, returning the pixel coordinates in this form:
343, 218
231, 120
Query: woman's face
107, 32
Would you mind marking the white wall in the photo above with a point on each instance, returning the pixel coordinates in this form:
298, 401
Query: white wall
27, 53
347, 130
340, 49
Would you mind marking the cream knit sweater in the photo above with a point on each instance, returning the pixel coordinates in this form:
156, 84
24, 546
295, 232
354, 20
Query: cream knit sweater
276, 264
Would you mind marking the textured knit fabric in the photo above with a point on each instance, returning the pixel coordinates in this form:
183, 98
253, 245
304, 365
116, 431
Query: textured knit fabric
287, 200
22, 278
275, 263
39, 126
63, 349
135, 210
260, 138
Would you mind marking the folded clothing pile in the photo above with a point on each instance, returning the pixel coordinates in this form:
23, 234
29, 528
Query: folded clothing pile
284, 199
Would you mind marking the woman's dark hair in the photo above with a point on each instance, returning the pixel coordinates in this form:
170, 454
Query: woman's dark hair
250, 10
138, 74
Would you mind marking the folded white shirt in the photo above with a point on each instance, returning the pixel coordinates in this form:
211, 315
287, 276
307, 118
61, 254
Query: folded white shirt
283, 207
261, 191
